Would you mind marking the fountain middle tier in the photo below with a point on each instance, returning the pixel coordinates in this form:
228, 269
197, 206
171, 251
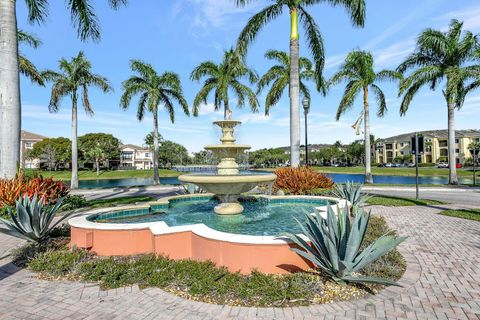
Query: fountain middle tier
227, 153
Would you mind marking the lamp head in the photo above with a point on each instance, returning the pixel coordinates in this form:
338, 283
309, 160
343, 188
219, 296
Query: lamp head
306, 104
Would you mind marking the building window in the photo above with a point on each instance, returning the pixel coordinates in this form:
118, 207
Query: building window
389, 146
402, 144
401, 152
147, 154
456, 140
443, 143
127, 155
443, 152
28, 145
457, 150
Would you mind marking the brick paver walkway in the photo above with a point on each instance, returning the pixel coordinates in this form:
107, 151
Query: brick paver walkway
442, 282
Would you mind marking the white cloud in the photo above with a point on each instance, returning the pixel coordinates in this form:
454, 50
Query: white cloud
335, 60
212, 13
253, 118
393, 54
206, 109
471, 106
469, 16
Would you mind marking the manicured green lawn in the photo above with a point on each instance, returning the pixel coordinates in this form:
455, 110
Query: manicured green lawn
116, 174
400, 202
395, 171
101, 203
74, 202
470, 214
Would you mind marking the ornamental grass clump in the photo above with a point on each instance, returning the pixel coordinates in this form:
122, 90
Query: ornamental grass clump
335, 246
300, 180
31, 219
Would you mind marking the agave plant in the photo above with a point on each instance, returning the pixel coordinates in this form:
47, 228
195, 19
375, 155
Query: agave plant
336, 242
31, 219
352, 192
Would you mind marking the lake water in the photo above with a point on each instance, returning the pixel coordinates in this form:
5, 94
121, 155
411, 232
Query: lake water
337, 177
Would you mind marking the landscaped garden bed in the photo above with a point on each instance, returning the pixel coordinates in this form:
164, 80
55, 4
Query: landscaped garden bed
203, 281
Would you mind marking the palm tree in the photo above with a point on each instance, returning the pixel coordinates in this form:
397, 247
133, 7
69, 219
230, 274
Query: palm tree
27, 68
86, 22
280, 76
74, 75
298, 10
441, 56
154, 90
224, 78
358, 71
96, 155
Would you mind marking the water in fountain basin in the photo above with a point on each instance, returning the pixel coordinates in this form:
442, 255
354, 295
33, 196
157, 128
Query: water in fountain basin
260, 217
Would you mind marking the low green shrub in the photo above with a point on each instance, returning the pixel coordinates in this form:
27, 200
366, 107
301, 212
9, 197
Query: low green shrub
202, 280
320, 192
73, 202
390, 266
57, 262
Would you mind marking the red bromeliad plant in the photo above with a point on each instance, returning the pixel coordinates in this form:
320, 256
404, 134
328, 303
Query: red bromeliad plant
46, 188
300, 180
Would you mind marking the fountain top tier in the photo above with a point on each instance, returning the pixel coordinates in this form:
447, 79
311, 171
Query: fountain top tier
228, 151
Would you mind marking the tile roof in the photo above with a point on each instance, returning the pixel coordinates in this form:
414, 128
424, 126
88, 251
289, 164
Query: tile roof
132, 146
25, 135
440, 134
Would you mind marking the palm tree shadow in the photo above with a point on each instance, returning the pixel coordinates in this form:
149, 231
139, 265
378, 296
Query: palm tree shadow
8, 269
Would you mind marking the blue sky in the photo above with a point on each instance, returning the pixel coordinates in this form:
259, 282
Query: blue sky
178, 35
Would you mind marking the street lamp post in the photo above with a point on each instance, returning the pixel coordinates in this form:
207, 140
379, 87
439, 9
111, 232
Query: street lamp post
306, 109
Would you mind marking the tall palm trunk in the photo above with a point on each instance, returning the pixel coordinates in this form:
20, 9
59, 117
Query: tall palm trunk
453, 179
366, 114
10, 112
294, 90
74, 180
156, 179
97, 163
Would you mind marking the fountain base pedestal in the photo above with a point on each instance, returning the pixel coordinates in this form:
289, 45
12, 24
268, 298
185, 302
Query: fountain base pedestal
228, 208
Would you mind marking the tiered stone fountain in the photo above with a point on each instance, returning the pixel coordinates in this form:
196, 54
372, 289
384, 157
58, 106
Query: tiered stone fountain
228, 184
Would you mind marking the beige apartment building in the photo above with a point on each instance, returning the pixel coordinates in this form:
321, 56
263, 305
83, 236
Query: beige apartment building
27, 140
436, 146
135, 157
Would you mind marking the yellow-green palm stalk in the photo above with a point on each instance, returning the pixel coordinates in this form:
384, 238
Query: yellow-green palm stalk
298, 10
442, 56
83, 17
358, 71
154, 90
75, 75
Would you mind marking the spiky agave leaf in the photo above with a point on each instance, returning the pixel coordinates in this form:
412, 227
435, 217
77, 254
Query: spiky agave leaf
335, 244
352, 192
32, 219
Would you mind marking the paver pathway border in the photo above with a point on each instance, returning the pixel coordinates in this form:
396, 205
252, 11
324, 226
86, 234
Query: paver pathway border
441, 281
